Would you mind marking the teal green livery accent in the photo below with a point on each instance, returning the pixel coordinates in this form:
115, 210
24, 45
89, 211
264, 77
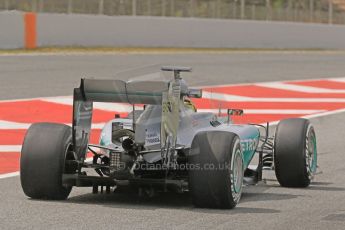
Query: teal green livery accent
313, 167
249, 146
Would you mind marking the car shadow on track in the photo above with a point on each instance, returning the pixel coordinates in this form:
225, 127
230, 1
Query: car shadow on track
163, 200
330, 189
251, 194
253, 197
170, 201
133, 201
315, 185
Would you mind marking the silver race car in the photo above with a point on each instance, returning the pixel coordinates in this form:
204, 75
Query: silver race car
165, 146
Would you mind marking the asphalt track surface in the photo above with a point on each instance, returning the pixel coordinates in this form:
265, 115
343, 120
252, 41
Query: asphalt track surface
50, 75
265, 206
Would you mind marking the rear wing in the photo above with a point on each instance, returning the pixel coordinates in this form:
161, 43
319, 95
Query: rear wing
165, 93
132, 92
162, 93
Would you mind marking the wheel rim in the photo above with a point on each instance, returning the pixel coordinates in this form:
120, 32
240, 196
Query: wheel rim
236, 175
311, 152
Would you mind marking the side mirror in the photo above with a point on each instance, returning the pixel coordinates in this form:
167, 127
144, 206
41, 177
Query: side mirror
235, 112
194, 93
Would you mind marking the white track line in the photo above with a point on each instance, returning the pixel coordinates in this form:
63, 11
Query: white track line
7, 175
13, 125
298, 88
268, 111
113, 107
18, 125
65, 100
95, 125
10, 148
324, 114
221, 96
234, 98
340, 79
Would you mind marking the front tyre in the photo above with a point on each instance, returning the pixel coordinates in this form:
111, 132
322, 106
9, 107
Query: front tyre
216, 170
42, 161
295, 152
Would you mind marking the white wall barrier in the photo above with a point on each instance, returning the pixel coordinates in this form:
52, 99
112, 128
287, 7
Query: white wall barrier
128, 31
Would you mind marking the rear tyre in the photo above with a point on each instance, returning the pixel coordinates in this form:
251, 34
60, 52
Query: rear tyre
216, 170
295, 152
42, 161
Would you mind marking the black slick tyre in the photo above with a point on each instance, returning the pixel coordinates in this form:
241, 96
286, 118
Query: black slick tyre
295, 153
42, 161
216, 170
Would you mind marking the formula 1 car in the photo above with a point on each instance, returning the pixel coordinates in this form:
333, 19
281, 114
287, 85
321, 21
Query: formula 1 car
166, 146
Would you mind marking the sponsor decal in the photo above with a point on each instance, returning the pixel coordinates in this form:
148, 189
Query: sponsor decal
152, 138
248, 145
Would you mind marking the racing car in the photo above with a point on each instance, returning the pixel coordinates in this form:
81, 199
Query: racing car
163, 144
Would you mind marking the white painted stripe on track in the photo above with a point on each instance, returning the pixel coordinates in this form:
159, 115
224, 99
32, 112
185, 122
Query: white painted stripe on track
18, 125
7, 175
10, 148
298, 88
324, 114
268, 111
13, 125
234, 98
113, 107
221, 96
95, 125
340, 79
65, 100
